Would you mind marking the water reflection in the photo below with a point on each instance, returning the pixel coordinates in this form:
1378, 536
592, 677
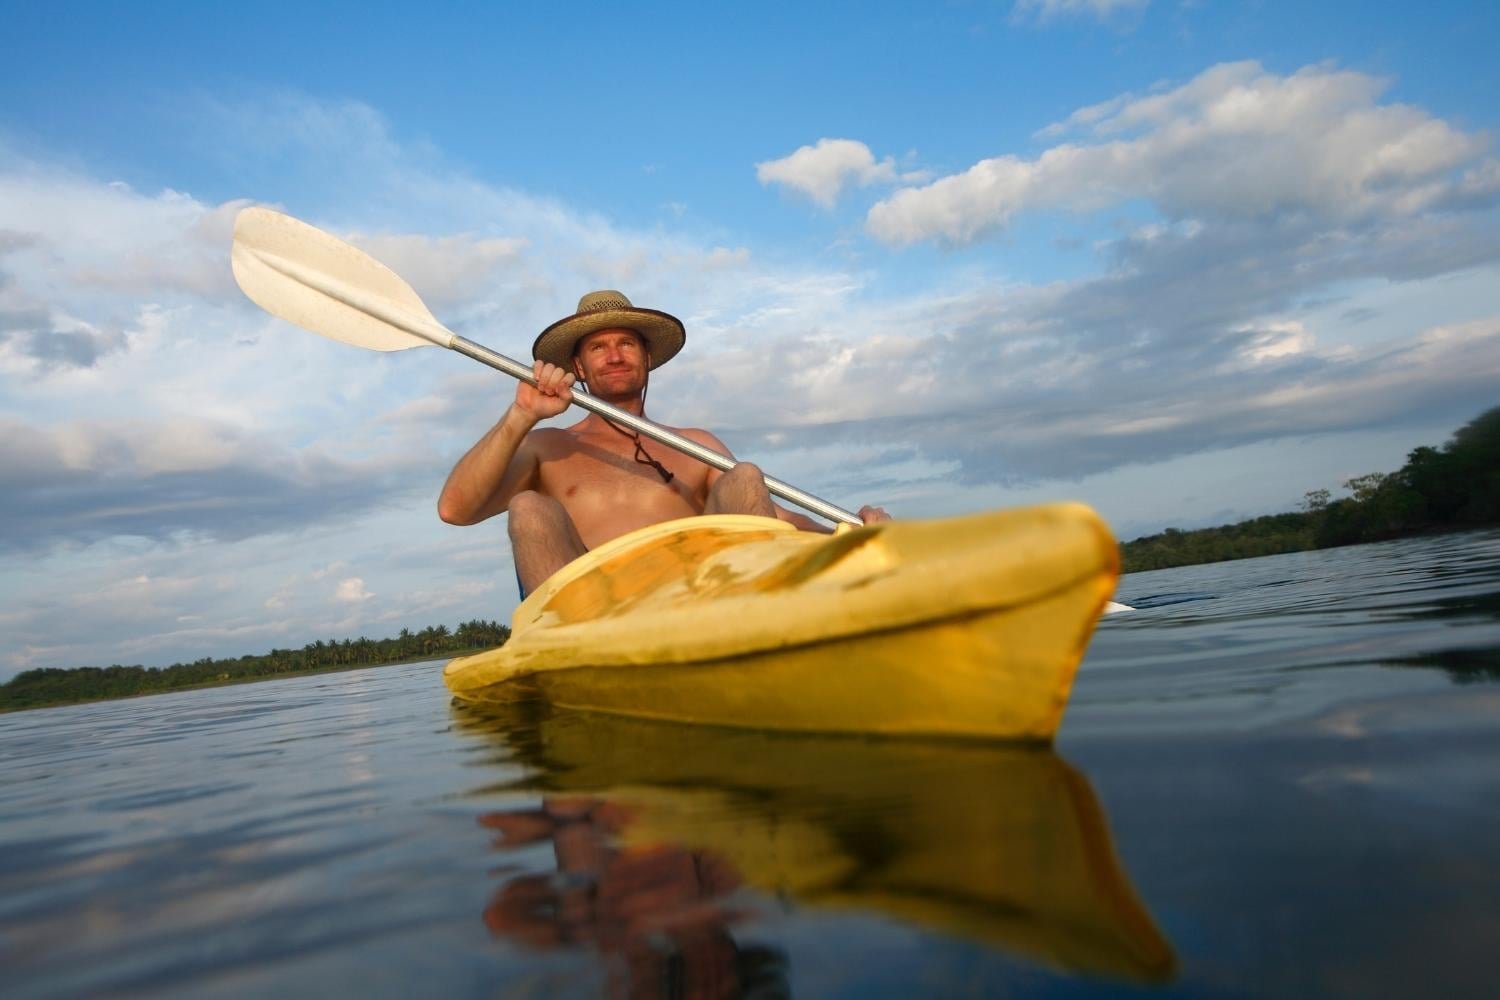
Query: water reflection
661, 910
1463, 665
653, 827
1468, 606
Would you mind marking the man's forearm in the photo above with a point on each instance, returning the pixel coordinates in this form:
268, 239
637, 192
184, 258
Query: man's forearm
474, 490
801, 521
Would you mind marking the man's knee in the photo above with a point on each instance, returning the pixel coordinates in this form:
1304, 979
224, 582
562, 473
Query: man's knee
742, 481
741, 490
530, 510
745, 474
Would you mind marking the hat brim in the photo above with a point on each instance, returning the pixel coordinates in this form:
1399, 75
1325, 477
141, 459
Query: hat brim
663, 333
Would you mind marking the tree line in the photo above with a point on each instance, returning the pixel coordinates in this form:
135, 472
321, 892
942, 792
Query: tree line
1438, 489
56, 686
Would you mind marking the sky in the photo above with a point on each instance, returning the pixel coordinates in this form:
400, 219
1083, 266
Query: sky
1184, 261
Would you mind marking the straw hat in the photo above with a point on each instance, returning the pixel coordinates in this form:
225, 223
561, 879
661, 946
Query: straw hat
609, 310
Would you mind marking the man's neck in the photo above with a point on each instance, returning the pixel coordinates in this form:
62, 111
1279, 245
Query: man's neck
634, 405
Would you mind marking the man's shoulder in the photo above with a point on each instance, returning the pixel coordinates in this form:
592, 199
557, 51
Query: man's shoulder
698, 434
551, 440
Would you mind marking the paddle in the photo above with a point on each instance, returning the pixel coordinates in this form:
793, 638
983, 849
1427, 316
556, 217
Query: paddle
320, 283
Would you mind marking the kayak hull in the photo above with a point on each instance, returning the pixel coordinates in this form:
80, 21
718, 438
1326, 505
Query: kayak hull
964, 677
968, 627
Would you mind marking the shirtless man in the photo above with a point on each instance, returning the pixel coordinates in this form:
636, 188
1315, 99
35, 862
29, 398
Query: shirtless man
571, 489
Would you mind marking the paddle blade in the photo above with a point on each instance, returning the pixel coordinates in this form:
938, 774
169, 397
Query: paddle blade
320, 283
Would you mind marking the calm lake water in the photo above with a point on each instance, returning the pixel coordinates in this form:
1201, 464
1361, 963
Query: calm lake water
1279, 777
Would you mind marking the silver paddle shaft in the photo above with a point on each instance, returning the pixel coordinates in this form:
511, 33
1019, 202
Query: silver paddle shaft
655, 432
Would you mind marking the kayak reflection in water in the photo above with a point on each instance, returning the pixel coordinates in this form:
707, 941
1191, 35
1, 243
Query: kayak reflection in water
660, 910
685, 831
571, 489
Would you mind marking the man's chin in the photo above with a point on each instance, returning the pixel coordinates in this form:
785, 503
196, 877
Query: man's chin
613, 392
621, 382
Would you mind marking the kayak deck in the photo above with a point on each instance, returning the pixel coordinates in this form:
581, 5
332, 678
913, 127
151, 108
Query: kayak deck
970, 626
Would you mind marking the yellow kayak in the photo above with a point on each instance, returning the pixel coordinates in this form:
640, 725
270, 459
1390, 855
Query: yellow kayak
968, 626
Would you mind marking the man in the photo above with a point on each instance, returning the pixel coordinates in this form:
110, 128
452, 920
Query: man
571, 489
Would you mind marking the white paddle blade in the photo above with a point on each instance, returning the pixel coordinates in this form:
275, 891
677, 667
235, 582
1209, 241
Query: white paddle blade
320, 283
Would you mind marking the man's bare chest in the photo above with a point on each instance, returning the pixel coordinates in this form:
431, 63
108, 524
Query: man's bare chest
588, 474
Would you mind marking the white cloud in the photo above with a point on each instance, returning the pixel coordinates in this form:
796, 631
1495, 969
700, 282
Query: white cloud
725, 258
1276, 340
37, 342
337, 566
1046, 10
112, 239
821, 171
352, 591
83, 481
444, 270
1235, 143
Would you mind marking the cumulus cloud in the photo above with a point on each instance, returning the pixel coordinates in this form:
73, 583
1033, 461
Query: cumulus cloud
110, 238
1054, 412
1276, 340
12, 240
1235, 143
85, 481
822, 171
1182, 345
35, 341
444, 270
34, 338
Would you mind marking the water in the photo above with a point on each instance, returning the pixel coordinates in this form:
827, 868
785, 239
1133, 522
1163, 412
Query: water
1279, 777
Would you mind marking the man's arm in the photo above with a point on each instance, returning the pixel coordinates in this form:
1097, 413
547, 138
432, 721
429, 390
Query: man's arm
503, 463
801, 521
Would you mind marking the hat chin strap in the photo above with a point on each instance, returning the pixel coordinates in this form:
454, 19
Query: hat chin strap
642, 456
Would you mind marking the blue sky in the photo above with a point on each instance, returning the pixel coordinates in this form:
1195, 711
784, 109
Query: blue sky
1184, 261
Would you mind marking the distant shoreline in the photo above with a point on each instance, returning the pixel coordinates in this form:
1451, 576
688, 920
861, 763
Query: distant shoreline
1430, 532
254, 679
1438, 490
51, 687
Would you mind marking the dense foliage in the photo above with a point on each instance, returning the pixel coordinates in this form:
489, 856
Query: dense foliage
1263, 536
1455, 486
36, 688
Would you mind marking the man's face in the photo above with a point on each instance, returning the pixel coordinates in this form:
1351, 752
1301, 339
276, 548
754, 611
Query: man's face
612, 362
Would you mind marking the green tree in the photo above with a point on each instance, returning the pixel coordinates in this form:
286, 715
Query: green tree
1315, 501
